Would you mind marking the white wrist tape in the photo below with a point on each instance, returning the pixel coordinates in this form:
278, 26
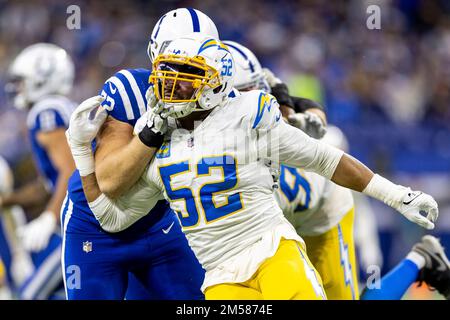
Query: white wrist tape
112, 216
386, 191
84, 159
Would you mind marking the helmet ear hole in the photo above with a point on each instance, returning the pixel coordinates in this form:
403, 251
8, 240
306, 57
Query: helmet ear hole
218, 89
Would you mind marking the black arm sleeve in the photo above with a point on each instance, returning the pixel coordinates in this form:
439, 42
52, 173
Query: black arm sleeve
281, 92
302, 104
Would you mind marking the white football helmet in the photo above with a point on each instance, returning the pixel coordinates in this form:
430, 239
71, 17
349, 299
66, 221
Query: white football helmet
6, 177
249, 73
40, 69
194, 73
179, 23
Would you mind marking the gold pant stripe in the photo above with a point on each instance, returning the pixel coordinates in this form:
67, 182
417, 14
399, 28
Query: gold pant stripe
333, 255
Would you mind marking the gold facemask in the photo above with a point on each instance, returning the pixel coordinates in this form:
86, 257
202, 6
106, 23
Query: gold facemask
163, 80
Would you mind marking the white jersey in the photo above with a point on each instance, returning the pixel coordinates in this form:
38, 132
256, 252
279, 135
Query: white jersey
310, 202
218, 179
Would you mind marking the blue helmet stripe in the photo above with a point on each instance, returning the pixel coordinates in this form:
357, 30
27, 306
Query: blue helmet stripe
252, 68
159, 25
237, 49
195, 21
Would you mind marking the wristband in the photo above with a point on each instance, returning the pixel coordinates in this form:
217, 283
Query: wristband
150, 138
281, 93
83, 158
384, 190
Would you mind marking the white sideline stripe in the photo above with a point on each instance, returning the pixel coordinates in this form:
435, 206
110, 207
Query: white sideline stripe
66, 222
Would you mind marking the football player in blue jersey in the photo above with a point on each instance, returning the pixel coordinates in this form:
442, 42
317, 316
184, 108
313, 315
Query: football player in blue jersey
152, 253
40, 77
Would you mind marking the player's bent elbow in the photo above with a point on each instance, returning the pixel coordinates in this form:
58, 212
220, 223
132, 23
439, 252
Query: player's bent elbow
110, 189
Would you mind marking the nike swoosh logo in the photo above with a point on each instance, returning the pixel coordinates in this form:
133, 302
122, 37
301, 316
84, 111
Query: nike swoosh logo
113, 91
413, 196
166, 231
278, 117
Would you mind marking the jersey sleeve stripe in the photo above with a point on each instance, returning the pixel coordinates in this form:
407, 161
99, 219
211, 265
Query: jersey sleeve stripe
136, 91
124, 96
47, 120
130, 94
62, 106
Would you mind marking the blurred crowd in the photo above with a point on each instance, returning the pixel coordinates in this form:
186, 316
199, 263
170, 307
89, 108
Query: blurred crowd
394, 80
387, 89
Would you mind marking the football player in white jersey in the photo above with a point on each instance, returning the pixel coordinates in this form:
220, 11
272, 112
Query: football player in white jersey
215, 170
321, 211
322, 214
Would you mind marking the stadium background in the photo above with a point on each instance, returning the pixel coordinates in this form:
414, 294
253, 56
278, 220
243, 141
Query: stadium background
388, 89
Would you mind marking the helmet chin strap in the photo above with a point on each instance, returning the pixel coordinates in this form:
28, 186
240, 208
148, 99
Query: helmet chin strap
176, 110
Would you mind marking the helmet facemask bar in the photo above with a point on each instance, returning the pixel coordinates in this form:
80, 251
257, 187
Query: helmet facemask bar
167, 76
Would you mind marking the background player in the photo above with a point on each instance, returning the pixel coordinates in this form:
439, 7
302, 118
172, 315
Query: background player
40, 77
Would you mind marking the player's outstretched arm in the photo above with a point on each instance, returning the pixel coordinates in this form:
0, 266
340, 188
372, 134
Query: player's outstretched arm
299, 150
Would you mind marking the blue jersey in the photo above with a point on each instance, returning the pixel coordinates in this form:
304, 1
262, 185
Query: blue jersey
125, 101
124, 94
48, 114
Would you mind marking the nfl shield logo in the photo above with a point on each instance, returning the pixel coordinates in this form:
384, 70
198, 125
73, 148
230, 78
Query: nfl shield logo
87, 246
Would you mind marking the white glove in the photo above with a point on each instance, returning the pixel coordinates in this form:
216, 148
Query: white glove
152, 101
409, 203
150, 128
415, 202
308, 122
152, 121
36, 234
85, 122
152, 125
